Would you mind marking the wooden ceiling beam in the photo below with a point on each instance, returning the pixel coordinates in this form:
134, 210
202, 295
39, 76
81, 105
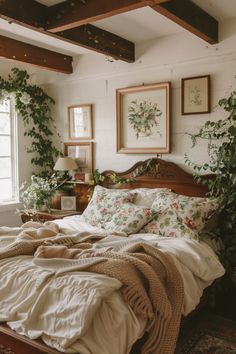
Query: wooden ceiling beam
28, 12
91, 37
191, 17
30, 54
73, 13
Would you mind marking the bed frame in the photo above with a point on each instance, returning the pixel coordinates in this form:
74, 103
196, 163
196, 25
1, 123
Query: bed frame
158, 173
152, 173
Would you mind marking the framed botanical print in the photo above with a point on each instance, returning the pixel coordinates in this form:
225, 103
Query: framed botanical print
82, 153
80, 119
143, 119
195, 95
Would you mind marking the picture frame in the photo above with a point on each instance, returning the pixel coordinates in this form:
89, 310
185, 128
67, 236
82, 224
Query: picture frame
68, 203
80, 122
143, 119
195, 95
82, 152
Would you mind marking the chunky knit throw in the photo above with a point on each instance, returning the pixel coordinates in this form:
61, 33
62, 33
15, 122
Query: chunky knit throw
152, 285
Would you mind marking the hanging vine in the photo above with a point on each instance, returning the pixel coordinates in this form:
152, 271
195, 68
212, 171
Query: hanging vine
34, 106
221, 137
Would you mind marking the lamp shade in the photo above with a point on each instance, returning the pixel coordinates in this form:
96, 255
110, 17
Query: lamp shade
65, 164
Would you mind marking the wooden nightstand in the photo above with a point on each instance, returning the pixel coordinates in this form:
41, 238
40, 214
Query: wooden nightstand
46, 216
81, 191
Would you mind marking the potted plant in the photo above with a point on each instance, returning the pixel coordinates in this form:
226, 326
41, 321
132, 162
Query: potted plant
221, 136
39, 193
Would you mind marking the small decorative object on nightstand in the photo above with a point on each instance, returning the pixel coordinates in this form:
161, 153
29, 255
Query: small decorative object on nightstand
68, 203
43, 216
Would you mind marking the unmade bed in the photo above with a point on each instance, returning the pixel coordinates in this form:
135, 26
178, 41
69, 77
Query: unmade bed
134, 263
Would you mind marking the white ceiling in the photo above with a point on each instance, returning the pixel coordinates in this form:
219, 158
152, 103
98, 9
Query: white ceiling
137, 26
39, 39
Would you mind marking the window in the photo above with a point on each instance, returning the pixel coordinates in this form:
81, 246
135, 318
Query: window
8, 153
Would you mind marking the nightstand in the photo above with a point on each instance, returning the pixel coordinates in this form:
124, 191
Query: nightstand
81, 191
46, 216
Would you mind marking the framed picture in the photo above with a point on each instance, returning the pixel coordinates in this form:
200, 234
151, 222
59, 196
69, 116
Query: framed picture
143, 119
195, 95
80, 119
68, 203
82, 153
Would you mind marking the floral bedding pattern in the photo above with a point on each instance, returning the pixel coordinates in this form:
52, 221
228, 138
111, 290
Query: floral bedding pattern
104, 204
179, 215
129, 218
146, 196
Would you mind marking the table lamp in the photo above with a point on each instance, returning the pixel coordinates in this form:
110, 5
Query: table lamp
65, 164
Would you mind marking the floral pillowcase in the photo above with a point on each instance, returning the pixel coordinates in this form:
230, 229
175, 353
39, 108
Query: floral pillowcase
104, 204
129, 218
179, 215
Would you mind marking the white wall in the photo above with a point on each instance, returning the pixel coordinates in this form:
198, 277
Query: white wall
166, 59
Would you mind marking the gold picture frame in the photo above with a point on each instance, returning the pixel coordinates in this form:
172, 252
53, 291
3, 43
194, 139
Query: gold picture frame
80, 122
82, 152
143, 119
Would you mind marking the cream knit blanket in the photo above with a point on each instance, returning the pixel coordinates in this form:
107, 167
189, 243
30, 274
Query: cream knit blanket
152, 286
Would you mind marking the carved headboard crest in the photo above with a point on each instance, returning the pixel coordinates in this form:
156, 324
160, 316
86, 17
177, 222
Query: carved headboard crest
157, 173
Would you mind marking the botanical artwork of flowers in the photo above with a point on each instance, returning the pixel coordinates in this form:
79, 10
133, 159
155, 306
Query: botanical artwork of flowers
143, 117
195, 96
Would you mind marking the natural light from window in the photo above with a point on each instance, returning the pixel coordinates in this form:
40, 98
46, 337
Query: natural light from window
8, 153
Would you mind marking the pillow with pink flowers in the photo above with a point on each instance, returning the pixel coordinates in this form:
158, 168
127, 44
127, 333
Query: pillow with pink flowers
179, 215
104, 204
129, 219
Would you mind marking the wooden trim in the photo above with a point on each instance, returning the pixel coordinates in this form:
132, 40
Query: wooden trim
208, 110
27, 53
90, 119
191, 17
19, 344
91, 154
64, 16
119, 119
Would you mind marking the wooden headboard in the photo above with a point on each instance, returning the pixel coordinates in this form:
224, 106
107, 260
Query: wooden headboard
159, 173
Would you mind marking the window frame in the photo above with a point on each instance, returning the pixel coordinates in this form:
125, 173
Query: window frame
13, 156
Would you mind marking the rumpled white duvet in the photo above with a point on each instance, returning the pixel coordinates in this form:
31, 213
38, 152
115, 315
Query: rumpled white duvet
80, 312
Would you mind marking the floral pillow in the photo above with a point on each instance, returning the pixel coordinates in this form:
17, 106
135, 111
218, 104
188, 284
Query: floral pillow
104, 204
146, 196
129, 218
179, 215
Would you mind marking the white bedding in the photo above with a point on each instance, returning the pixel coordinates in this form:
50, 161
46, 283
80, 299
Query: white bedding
196, 261
82, 312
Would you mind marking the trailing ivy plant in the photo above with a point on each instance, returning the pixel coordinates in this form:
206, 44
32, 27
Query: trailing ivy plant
34, 106
98, 177
221, 136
